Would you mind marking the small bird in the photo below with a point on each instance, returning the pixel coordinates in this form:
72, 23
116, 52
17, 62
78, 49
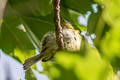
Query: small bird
72, 41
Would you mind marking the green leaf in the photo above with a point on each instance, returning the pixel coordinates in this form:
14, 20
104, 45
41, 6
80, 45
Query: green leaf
31, 7
11, 34
110, 43
97, 26
39, 26
22, 56
81, 6
81, 65
29, 75
93, 21
111, 11
74, 16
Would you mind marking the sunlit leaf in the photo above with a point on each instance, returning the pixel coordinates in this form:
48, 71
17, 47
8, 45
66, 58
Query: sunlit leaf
88, 67
111, 10
110, 43
23, 55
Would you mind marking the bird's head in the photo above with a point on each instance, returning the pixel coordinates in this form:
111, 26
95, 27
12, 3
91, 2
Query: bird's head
66, 25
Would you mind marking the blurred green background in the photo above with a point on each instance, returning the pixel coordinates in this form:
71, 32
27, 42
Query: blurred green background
24, 23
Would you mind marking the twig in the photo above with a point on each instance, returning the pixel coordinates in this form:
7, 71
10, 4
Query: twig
58, 28
2, 7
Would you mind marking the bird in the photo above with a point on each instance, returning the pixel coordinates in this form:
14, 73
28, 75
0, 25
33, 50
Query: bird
72, 41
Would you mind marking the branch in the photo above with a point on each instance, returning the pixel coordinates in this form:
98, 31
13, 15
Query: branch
2, 7
58, 28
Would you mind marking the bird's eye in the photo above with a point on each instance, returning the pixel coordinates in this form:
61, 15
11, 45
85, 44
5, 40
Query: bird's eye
68, 42
75, 38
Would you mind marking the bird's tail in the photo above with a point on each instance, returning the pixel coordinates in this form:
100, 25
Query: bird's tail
30, 61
